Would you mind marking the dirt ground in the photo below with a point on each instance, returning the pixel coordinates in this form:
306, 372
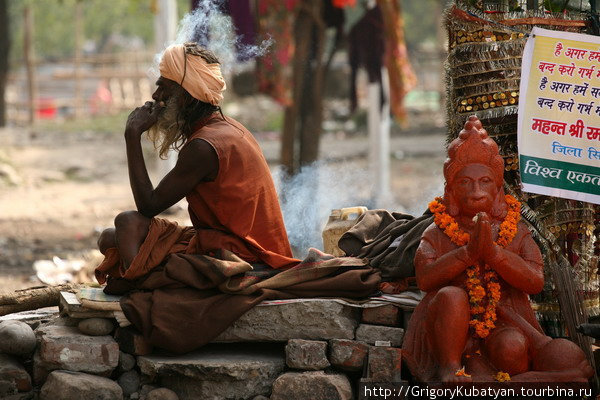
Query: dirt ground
59, 190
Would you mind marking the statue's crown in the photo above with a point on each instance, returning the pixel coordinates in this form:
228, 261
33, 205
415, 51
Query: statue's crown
473, 146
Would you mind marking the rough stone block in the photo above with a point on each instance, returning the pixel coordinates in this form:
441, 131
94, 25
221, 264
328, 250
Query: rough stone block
13, 377
373, 333
306, 354
385, 364
126, 362
129, 382
315, 385
162, 394
64, 347
320, 320
68, 385
96, 326
233, 371
132, 342
348, 355
388, 315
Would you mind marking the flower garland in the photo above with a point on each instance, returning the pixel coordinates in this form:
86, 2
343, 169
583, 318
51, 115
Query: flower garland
483, 318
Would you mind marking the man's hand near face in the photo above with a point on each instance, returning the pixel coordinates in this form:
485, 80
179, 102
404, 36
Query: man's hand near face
141, 119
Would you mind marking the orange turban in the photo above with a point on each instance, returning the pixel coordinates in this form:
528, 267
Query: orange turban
202, 80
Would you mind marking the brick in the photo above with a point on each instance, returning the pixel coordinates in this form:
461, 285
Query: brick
66, 385
306, 354
224, 371
13, 377
348, 355
388, 315
313, 385
385, 364
373, 333
132, 342
320, 320
65, 348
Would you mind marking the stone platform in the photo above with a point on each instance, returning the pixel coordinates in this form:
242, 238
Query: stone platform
316, 349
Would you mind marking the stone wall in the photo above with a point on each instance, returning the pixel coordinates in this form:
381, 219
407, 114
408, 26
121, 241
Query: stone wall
311, 350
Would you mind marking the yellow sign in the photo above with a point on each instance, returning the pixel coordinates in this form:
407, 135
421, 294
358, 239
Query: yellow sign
559, 115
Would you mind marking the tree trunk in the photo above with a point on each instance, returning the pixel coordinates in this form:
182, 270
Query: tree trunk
33, 298
303, 119
30, 62
4, 51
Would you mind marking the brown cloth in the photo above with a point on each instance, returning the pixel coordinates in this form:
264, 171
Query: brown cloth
180, 300
191, 299
388, 240
238, 211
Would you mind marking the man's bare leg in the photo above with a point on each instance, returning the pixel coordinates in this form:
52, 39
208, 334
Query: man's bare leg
131, 229
448, 324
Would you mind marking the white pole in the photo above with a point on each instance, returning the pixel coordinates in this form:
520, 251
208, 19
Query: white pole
378, 116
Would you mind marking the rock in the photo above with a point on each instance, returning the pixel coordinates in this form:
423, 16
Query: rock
129, 382
96, 326
311, 385
348, 355
260, 398
126, 362
234, 371
68, 385
16, 338
64, 347
134, 396
132, 342
373, 333
13, 377
385, 364
162, 394
306, 354
320, 320
146, 389
388, 315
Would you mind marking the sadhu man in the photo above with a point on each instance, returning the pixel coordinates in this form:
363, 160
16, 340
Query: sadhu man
220, 170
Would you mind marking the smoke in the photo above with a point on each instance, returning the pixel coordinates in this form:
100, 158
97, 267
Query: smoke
212, 29
308, 197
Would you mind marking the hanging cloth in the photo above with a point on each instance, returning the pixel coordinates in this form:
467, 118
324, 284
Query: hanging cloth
366, 47
402, 78
276, 20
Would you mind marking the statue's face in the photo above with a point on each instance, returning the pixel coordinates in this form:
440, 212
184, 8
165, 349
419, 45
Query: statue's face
474, 189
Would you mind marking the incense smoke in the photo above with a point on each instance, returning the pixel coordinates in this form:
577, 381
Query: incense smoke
308, 197
212, 29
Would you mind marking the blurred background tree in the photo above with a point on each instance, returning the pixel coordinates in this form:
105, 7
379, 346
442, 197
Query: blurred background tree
4, 50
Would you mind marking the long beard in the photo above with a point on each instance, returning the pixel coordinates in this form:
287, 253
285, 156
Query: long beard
166, 132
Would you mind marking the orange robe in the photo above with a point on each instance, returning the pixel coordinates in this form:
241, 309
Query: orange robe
239, 211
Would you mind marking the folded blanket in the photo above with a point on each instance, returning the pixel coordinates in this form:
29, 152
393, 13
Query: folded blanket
388, 240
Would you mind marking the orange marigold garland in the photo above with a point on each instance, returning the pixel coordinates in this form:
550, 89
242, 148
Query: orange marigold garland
483, 318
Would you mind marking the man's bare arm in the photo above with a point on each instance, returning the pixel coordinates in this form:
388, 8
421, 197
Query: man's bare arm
197, 161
